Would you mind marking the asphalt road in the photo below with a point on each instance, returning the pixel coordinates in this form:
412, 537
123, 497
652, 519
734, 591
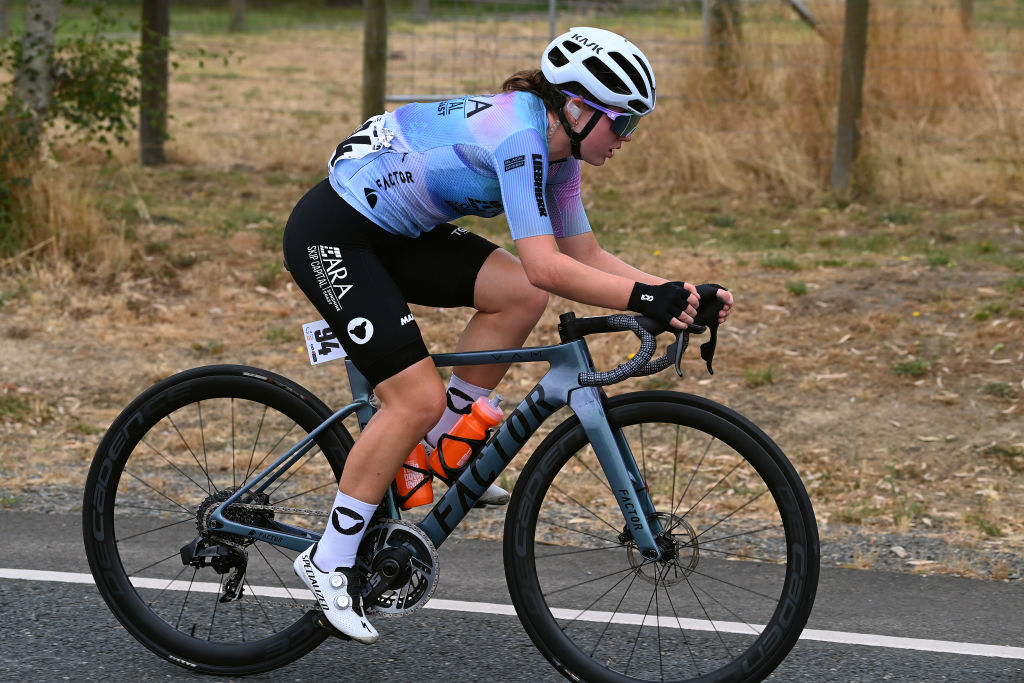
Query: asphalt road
57, 630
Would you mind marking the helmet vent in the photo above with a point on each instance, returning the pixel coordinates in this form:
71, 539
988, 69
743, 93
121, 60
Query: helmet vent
571, 46
606, 77
631, 71
556, 57
639, 106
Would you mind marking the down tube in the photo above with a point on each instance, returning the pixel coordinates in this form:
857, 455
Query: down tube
539, 404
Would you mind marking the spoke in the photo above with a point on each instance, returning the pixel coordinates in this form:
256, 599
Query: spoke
694, 572
682, 632
122, 539
693, 475
202, 437
169, 582
159, 493
581, 532
288, 591
252, 454
194, 456
604, 628
306, 492
640, 627
731, 513
184, 602
175, 467
583, 507
234, 473
263, 609
216, 601
292, 471
577, 551
714, 486
150, 566
592, 580
270, 451
136, 506
732, 613
707, 616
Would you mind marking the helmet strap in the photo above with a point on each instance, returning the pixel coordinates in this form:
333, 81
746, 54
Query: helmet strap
576, 138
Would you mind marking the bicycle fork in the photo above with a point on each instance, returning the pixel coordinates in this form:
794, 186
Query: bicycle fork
619, 465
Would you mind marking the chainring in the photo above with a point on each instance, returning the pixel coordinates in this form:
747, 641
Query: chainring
385, 535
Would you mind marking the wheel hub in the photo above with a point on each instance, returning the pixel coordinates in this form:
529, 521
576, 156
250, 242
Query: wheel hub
680, 552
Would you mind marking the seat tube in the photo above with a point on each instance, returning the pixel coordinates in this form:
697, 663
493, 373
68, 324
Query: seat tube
624, 479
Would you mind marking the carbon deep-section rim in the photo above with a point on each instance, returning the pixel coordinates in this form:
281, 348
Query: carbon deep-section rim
739, 545
178, 450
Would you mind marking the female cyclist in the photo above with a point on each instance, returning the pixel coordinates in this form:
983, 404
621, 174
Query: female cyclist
374, 236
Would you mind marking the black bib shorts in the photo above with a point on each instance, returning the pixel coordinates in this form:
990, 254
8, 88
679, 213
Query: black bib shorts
361, 278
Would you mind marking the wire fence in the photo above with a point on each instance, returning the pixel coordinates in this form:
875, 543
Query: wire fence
748, 108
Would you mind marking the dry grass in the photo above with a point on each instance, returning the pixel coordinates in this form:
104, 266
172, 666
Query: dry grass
733, 191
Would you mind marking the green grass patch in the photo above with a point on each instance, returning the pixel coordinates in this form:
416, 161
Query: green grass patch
14, 407
759, 377
279, 335
911, 368
796, 288
779, 263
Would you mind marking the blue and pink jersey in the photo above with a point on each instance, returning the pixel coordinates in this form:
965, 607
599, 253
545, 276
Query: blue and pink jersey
480, 155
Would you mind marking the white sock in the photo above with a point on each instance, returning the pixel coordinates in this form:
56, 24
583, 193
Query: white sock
460, 397
340, 542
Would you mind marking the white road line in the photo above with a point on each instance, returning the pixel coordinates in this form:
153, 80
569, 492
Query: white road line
842, 637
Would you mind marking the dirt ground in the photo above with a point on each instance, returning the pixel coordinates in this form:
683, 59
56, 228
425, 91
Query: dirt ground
895, 385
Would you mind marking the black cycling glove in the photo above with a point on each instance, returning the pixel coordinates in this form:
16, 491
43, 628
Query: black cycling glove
707, 314
660, 302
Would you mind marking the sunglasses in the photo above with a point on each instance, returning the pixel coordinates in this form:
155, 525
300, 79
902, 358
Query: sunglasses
623, 123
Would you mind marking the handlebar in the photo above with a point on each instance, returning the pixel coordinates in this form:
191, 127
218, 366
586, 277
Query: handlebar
640, 365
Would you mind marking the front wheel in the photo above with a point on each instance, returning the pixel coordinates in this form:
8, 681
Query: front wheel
739, 568
206, 600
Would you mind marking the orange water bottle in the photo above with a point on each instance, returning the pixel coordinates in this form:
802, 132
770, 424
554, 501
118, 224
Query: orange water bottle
453, 453
413, 480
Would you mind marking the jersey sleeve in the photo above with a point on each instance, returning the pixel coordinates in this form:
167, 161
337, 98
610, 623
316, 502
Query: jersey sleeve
522, 168
568, 217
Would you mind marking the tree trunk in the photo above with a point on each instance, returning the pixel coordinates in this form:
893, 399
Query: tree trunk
156, 29
237, 9
5, 25
725, 36
33, 82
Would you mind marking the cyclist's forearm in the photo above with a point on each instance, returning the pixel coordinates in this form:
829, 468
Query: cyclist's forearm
571, 279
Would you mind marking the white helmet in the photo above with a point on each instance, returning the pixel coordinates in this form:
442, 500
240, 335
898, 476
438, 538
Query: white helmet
608, 66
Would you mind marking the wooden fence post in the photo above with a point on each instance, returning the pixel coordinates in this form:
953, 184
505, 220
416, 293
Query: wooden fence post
851, 85
966, 14
156, 30
236, 8
375, 53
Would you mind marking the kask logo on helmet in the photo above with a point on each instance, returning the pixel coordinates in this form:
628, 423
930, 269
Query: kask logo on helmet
586, 42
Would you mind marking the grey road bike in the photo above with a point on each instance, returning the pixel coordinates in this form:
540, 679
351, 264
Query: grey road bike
651, 536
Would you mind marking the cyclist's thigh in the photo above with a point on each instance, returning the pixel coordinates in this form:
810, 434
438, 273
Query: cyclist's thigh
332, 252
440, 267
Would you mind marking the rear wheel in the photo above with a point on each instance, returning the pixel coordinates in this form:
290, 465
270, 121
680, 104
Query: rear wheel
177, 452
739, 568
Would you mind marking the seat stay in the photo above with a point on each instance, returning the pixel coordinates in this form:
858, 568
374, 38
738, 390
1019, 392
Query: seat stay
300, 539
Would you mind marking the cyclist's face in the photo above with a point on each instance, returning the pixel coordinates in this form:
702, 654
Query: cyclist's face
601, 143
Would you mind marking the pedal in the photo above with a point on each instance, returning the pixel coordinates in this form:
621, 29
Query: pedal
322, 622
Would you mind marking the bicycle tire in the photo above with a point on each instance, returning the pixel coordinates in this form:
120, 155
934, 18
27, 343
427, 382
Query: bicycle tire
171, 453
724, 491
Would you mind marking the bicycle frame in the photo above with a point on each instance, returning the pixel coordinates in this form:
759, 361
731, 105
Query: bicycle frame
558, 387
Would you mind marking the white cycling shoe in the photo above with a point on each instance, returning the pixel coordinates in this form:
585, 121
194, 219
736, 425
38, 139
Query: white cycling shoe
339, 594
494, 495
